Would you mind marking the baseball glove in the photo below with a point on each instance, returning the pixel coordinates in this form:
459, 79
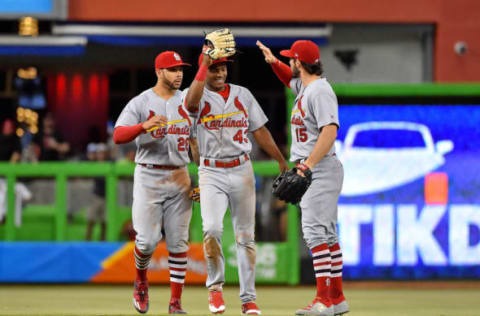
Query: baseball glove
195, 194
290, 186
220, 43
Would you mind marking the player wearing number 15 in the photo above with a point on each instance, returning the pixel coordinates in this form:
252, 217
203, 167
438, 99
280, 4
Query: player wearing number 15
225, 113
161, 128
314, 125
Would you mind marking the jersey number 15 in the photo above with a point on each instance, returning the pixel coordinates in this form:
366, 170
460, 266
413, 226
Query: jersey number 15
301, 134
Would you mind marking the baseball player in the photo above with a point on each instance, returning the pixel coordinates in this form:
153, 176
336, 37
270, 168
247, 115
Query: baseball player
314, 125
158, 122
224, 114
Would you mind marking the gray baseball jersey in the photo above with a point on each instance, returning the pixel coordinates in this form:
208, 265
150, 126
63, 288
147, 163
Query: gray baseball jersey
160, 197
221, 127
315, 107
167, 145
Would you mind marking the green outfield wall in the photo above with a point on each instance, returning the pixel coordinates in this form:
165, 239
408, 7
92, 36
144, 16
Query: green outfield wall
277, 262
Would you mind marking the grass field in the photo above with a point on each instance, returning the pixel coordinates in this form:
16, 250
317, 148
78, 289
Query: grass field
364, 300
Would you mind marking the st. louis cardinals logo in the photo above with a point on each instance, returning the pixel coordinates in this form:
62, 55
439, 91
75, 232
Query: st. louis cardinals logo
296, 120
184, 114
206, 109
159, 132
299, 106
214, 122
240, 106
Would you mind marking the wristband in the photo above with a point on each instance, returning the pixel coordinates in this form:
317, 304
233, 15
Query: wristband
202, 73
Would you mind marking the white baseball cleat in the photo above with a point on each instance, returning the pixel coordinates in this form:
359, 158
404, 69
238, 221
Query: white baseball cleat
317, 308
250, 308
216, 305
340, 308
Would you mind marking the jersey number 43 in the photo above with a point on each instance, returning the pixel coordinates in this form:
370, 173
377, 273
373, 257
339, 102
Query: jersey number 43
238, 137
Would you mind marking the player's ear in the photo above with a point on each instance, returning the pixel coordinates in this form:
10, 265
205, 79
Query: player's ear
298, 64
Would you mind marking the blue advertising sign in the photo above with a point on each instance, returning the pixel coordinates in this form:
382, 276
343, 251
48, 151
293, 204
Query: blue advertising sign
26, 6
410, 204
41, 9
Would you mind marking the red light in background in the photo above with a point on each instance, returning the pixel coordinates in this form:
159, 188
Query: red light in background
77, 88
93, 87
61, 87
104, 89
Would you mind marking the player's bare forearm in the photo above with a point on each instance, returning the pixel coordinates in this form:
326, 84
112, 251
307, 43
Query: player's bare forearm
265, 140
195, 92
322, 146
194, 151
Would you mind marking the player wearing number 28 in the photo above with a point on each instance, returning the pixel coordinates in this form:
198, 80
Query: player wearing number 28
225, 113
161, 128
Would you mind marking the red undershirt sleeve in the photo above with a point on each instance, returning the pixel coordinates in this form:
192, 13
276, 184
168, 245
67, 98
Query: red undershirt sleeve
283, 72
125, 134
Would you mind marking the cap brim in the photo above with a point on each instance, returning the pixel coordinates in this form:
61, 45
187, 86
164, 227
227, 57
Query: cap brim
177, 65
287, 53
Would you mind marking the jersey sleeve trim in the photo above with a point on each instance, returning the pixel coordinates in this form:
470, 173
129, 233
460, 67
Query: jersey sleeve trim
283, 72
125, 134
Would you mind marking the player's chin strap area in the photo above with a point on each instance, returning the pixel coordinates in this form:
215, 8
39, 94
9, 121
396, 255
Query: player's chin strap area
224, 163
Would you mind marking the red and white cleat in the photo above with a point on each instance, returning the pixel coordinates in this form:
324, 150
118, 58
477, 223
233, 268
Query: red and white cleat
341, 308
317, 308
250, 308
140, 296
175, 307
215, 302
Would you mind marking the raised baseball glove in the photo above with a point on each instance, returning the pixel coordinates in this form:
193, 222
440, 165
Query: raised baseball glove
220, 43
195, 194
290, 186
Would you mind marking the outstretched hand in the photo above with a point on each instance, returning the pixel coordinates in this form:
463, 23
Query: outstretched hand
269, 57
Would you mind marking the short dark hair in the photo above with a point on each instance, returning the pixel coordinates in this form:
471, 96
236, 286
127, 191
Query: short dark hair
313, 69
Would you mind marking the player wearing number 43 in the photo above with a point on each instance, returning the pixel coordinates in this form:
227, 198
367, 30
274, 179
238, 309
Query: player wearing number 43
225, 113
161, 128
314, 125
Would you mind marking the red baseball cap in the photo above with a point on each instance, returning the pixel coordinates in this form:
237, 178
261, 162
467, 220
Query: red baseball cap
215, 61
306, 51
169, 59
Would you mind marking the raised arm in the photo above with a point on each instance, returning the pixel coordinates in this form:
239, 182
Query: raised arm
195, 92
283, 72
265, 141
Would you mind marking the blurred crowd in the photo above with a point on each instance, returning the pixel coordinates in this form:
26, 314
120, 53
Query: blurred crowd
49, 145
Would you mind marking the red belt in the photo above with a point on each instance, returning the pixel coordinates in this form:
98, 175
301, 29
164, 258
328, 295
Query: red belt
161, 167
224, 164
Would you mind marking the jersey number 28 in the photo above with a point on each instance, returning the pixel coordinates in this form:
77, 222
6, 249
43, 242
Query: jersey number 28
182, 144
